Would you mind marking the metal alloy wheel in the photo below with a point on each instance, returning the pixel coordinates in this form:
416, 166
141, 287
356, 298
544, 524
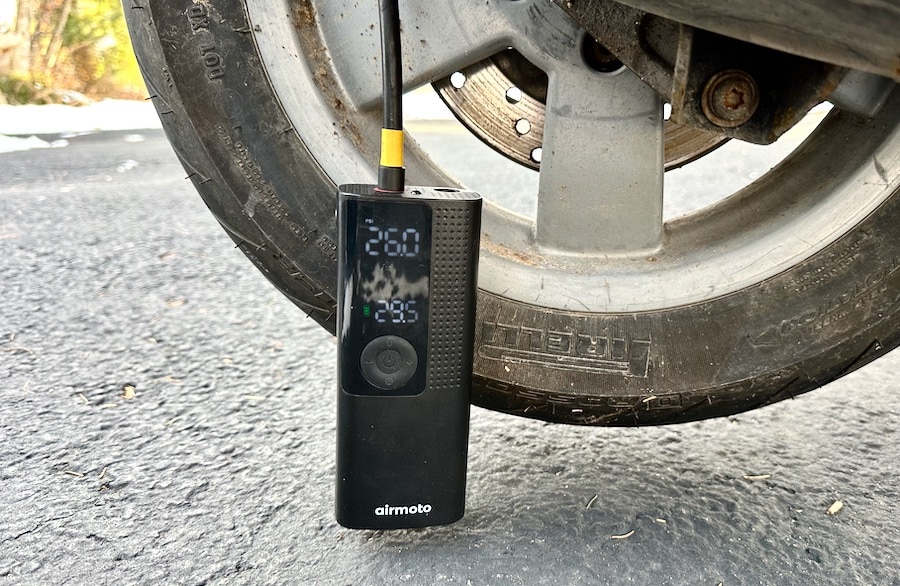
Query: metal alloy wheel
599, 243
598, 309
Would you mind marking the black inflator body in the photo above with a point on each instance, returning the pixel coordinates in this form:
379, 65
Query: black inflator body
406, 318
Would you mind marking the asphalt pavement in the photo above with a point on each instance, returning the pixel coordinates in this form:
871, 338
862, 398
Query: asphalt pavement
166, 416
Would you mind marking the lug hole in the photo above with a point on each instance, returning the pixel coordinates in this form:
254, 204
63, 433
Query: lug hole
458, 80
513, 95
536, 154
523, 126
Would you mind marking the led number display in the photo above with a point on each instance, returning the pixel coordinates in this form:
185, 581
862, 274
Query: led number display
396, 311
391, 268
393, 241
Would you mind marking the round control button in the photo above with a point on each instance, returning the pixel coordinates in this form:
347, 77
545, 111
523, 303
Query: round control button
388, 362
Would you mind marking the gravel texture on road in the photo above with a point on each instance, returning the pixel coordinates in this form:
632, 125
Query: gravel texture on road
168, 417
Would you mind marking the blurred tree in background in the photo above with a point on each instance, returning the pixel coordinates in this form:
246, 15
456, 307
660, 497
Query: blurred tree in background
65, 51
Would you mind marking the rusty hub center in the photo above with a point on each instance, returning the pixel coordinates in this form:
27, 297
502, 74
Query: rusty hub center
730, 98
501, 101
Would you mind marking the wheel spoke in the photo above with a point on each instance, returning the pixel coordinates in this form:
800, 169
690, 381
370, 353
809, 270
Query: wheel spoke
445, 38
601, 165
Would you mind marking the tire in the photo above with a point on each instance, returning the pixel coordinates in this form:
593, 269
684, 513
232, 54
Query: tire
827, 314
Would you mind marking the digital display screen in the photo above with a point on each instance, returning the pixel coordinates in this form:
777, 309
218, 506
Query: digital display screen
388, 267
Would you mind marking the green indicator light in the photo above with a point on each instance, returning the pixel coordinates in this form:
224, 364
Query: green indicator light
367, 311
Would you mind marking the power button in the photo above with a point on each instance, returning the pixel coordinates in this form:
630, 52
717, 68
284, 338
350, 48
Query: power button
388, 362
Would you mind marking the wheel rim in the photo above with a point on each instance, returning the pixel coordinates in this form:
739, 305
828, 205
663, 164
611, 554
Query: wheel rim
586, 251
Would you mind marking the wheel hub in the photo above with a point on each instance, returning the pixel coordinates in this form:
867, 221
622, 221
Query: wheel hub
502, 100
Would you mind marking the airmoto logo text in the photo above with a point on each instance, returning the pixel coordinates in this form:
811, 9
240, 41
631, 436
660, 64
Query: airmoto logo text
390, 511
